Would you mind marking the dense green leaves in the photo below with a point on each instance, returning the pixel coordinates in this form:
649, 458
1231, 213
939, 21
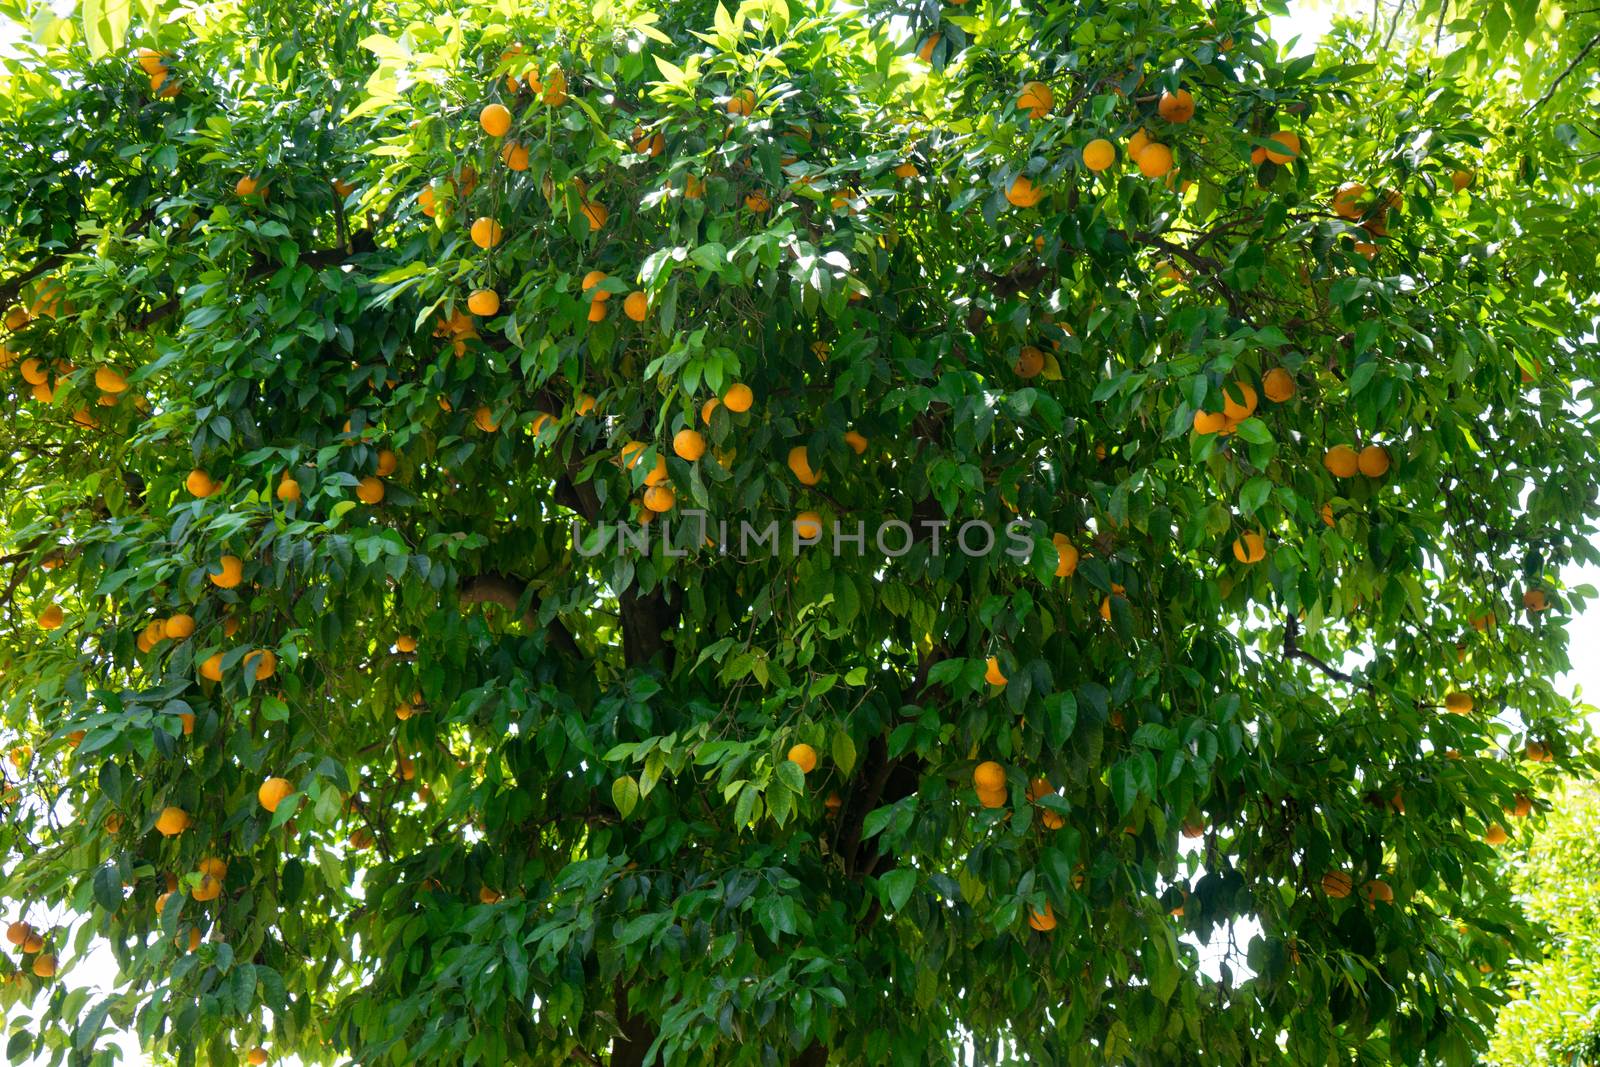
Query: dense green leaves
703, 790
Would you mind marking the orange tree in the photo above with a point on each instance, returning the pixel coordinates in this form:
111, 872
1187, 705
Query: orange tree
339, 340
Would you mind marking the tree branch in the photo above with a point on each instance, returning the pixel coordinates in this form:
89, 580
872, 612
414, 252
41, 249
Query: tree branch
507, 592
1292, 650
1583, 54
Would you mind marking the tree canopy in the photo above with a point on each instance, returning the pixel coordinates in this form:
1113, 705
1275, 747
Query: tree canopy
337, 339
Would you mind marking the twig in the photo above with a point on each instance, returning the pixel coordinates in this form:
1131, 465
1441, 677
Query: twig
1292, 649
1570, 67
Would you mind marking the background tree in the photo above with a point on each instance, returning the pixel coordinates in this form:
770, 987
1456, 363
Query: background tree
1552, 1018
324, 323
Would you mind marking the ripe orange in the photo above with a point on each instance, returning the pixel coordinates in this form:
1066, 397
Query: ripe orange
925, 52
1289, 143
388, 462
1037, 99
1099, 154
211, 667
1462, 179
1535, 600
989, 775
708, 409
495, 120
515, 156
200, 483
1030, 361
1538, 752
1373, 461
1138, 143
288, 489
1347, 200
1496, 835
1176, 107
1066, 556
1155, 161
1341, 461
596, 213
808, 524
742, 102
636, 306
1249, 548
799, 463
1023, 193
109, 380
857, 443
44, 965
554, 93
1278, 384
230, 574
33, 371
1238, 401
758, 202
152, 62
51, 617
804, 757
265, 663
483, 302
1043, 921
738, 398
906, 170
648, 143
1377, 892
486, 232
257, 1056
1337, 884
273, 792
369, 490
172, 821
247, 186
659, 498
992, 673
688, 444
1208, 422
484, 419
1458, 702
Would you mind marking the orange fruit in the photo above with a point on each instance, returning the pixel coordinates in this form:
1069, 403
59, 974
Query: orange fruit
1037, 99
1249, 548
1377, 892
369, 490
1496, 835
1238, 401
925, 51
486, 232
152, 62
484, 419
1066, 556
804, 757
211, 667
230, 574
1155, 161
1535, 600
51, 617
257, 1056
596, 213
636, 306
200, 483
172, 821
1373, 461
1278, 384
273, 792
1341, 461
1023, 193
1138, 143
554, 93
180, 626
1462, 179
1537, 752
742, 102
906, 170
708, 409
647, 143
246, 186
1337, 884
265, 663
738, 398
1176, 107
483, 302
495, 120
1523, 807
808, 525
989, 775
1289, 147
1458, 702
1347, 200
1043, 921
109, 380
515, 156
688, 444
1030, 361
33, 371
757, 202
799, 463
1206, 422
659, 498
1099, 154
992, 673
857, 443
288, 489
44, 965
388, 462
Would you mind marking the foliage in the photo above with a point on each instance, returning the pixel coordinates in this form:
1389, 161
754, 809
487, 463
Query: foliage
565, 824
1552, 1017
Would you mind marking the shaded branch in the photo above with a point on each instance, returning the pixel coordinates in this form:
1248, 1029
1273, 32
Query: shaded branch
507, 592
1583, 54
1292, 650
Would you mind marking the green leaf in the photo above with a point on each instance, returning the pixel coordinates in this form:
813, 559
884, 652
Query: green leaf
625, 795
